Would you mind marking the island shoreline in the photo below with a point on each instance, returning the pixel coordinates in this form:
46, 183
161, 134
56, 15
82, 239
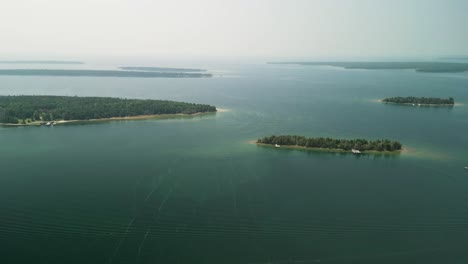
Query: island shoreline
129, 118
296, 147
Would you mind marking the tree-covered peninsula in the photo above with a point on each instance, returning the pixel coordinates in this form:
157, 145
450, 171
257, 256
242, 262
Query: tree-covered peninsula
331, 143
34, 109
420, 100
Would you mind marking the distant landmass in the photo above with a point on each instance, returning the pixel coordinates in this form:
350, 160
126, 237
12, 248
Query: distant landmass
40, 62
418, 66
33, 110
454, 58
410, 100
101, 73
161, 69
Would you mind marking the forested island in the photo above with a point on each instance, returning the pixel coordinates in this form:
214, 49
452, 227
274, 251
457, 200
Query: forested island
331, 144
161, 69
374, 65
37, 109
101, 73
430, 101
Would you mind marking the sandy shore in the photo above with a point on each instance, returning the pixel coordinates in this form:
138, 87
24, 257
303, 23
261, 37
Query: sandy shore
330, 150
223, 110
140, 117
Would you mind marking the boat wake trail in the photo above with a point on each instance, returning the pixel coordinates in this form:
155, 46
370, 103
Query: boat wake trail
116, 250
141, 244
155, 216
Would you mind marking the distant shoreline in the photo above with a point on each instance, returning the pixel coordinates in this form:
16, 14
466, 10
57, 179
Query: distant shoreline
139, 117
160, 69
101, 73
39, 62
418, 66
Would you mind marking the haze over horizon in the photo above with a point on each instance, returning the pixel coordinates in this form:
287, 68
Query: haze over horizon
210, 28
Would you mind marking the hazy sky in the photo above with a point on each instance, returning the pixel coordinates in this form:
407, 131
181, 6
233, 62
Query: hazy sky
261, 28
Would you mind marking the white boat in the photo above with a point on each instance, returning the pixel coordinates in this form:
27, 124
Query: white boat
277, 146
355, 151
48, 124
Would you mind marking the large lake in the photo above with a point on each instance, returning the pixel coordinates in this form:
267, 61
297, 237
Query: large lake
193, 190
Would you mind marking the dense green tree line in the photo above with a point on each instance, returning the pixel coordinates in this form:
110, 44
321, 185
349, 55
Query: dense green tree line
419, 100
330, 143
48, 108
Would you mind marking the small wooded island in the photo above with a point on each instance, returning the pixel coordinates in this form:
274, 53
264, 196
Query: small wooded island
331, 144
426, 101
34, 110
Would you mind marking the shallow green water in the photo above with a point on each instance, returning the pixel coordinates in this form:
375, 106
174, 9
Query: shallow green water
192, 190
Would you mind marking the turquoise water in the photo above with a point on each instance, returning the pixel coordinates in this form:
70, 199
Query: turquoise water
193, 190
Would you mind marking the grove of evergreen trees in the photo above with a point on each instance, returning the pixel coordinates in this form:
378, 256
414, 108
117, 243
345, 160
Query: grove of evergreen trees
49, 108
330, 143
